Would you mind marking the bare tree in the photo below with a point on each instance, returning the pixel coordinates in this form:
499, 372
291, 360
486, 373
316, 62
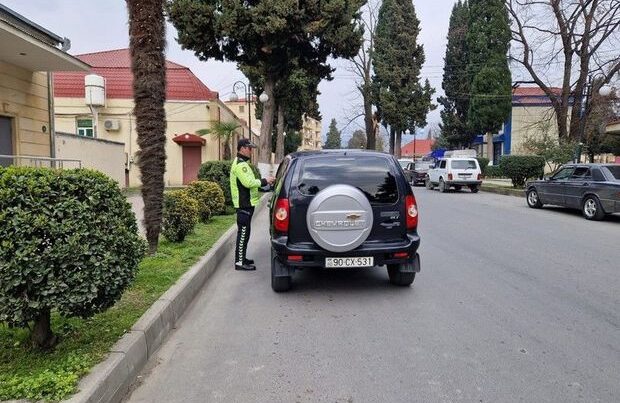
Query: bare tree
567, 42
361, 67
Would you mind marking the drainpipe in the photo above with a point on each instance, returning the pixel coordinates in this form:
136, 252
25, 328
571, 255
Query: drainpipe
50, 107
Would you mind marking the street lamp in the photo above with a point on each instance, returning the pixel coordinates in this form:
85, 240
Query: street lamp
247, 90
408, 132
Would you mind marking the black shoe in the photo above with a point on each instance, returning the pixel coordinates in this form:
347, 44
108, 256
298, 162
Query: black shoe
245, 267
248, 261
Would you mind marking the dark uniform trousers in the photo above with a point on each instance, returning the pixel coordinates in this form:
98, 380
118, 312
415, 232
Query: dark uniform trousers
244, 222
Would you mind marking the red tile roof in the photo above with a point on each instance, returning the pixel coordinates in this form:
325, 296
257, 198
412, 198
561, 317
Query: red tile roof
532, 96
115, 67
422, 147
189, 139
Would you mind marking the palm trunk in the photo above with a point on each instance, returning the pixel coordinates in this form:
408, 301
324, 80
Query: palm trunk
280, 135
264, 148
147, 42
42, 335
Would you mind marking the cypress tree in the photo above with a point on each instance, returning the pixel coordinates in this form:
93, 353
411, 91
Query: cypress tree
402, 101
488, 40
456, 83
333, 140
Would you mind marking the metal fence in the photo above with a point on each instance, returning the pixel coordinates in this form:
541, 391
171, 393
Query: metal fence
38, 162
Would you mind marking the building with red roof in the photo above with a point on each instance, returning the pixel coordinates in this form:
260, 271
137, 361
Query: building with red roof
190, 106
417, 148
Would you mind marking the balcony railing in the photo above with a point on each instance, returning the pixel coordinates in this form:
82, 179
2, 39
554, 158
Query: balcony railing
38, 162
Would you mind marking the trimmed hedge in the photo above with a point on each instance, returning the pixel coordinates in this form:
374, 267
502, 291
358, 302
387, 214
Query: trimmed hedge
484, 163
210, 198
493, 171
180, 215
520, 168
218, 172
68, 243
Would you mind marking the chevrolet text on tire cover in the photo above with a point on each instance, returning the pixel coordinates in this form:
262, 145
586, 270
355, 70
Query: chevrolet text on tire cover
343, 209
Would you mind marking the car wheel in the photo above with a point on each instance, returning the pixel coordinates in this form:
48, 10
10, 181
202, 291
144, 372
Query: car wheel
532, 199
279, 283
442, 186
429, 184
592, 209
400, 277
474, 188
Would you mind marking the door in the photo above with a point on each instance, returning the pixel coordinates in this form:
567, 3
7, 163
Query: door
553, 190
576, 185
6, 140
192, 158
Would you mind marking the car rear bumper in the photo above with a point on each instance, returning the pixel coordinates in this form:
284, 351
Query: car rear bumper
463, 183
314, 256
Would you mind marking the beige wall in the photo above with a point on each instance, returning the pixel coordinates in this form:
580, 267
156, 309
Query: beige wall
182, 117
23, 98
101, 155
234, 106
531, 121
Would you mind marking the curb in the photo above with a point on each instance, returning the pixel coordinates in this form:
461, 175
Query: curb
503, 191
109, 381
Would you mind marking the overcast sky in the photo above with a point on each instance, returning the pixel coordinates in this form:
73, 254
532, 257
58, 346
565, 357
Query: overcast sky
97, 25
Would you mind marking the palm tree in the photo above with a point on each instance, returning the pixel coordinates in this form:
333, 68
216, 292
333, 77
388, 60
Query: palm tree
223, 131
147, 42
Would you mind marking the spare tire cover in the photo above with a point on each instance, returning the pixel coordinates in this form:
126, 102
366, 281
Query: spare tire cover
339, 218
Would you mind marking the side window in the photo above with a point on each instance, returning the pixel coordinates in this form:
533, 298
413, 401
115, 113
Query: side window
442, 165
597, 175
563, 174
581, 173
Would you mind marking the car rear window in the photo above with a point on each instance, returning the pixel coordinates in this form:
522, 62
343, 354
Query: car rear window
464, 164
371, 175
615, 171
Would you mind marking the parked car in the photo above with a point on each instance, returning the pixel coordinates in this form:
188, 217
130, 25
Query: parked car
455, 172
592, 188
416, 172
343, 209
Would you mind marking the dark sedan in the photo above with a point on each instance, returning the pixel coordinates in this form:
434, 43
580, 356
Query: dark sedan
592, 188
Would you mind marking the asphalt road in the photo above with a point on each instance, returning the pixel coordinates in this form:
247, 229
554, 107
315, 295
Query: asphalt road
512, 305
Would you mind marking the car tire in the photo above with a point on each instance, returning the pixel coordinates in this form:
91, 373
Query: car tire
474, 188
399, 277
592, 209
429, 184
533, 200
279, 283
442, 186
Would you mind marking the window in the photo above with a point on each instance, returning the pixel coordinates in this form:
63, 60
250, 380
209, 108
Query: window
241, 108
371, 175
85, 128
464, 164
581, 173
615, 171
598, 175
563, 174
442, 164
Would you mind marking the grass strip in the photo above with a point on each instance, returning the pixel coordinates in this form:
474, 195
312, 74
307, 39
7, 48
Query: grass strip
27, 373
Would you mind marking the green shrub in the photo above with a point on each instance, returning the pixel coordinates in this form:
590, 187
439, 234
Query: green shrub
68, 242
218, 172
519, 168
209, 196
180, 215
493, 171
484, 163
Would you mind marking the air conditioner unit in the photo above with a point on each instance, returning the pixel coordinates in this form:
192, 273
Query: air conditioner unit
112, 124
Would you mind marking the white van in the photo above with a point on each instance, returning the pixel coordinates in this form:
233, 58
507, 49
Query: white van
455, 172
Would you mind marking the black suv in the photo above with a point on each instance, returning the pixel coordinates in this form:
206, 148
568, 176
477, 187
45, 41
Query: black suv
343, 208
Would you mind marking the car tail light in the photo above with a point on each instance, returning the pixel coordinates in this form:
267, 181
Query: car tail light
281, 215
449, 177
412, 212
401, 255
296, 258
479, 177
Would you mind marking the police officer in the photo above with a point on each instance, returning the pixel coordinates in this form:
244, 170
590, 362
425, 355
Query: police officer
244, 186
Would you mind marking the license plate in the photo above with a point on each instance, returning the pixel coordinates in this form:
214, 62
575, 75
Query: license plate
464, 175
336, 262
